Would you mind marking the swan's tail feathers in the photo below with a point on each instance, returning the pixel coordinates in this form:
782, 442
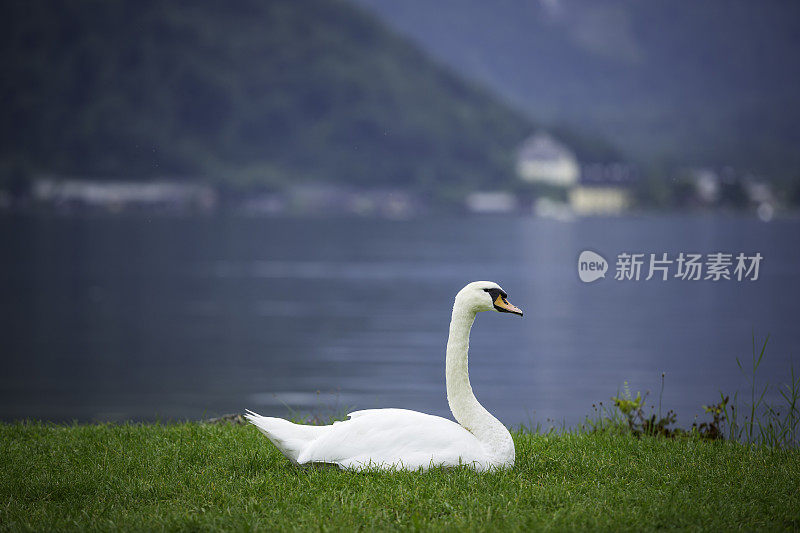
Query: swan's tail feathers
291, 439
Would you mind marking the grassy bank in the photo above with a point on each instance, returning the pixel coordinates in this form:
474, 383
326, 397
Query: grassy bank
198, 476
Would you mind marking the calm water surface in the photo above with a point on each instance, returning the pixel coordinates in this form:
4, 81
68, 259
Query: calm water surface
115, 318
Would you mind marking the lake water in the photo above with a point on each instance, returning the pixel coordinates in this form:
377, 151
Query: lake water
116, 318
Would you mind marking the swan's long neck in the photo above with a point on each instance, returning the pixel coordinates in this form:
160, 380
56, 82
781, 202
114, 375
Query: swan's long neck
465, 407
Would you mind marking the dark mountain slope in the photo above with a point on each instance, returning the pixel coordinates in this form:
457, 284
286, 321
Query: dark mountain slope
244, 93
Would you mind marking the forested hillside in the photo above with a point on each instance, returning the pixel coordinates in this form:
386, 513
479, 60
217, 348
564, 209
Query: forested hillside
245, 94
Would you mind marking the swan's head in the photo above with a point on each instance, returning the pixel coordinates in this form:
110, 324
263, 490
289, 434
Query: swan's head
486, 296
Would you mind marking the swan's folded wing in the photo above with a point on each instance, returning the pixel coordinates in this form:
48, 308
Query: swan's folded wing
395, 437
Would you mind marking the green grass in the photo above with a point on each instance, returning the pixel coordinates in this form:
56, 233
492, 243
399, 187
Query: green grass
197, 476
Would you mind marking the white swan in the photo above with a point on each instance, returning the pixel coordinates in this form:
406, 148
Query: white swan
403, 439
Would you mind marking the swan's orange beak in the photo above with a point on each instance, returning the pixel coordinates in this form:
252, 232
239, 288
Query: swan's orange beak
504, 306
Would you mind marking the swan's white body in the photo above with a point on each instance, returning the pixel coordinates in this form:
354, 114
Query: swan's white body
403, 439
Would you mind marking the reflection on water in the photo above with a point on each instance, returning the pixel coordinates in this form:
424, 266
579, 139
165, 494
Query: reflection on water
117, 318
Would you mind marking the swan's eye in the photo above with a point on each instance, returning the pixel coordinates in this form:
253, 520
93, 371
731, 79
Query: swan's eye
494, 293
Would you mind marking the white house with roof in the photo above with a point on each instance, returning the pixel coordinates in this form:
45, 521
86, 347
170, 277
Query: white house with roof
543, 159
594, 189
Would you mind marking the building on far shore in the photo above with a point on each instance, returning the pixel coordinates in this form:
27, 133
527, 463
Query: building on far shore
589, 189
491, 202
124, 195
543, 159
599, 200
604, 189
